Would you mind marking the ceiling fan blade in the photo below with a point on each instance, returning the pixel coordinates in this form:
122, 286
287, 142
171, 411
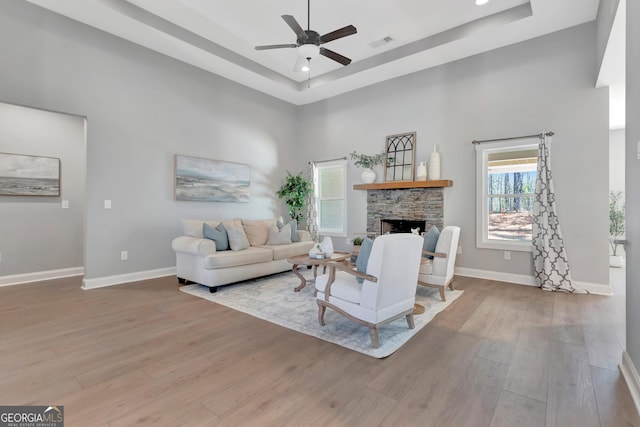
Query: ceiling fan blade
275, 46
335, 56
293, 24
338, 34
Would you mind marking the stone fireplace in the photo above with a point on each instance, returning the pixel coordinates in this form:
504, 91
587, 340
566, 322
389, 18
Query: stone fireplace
400, 209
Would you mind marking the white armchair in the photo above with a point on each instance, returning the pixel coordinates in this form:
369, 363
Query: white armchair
389, 288
438, 272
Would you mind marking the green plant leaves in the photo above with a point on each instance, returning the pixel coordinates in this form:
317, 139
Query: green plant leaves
294, 193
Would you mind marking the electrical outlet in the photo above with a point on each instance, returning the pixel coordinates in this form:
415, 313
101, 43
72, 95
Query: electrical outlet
0, 257
65, 204
107, 204
507, 255
124, 255
459, 251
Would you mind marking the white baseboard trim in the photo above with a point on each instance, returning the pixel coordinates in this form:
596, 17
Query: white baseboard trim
520, 279
38, 276
101, 282
523, 279
631, 377
594, 288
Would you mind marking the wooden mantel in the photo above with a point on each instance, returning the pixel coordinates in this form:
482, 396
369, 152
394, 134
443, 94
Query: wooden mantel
404, 184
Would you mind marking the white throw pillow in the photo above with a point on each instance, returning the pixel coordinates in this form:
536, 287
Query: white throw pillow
280, 236
237, 239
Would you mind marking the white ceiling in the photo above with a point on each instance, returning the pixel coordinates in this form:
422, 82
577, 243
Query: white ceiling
219, 35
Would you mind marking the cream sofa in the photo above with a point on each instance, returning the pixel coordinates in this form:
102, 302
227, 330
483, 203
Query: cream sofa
198, 261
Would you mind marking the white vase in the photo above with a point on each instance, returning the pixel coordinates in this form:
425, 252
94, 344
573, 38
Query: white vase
326, 246
421, 171
315, 252
616, 261
368, 176
434, 164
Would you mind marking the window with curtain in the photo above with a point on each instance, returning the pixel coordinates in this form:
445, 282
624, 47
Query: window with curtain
506, 187
330, 189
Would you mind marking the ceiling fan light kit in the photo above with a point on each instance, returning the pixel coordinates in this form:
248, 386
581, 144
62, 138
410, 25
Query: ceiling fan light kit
308, 51
308, 42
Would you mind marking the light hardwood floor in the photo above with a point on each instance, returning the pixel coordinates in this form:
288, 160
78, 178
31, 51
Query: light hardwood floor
146, 354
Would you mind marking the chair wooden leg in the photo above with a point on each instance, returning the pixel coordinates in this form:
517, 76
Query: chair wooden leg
373, 332
442, 289
321, 310
410, 321
451, 285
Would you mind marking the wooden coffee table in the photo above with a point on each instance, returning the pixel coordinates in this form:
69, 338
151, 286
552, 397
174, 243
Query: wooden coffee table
298, 260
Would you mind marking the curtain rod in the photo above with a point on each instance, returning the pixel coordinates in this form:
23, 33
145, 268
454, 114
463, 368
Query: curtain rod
330, 160
539, 135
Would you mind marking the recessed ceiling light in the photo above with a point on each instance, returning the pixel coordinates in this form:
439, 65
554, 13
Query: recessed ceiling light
481, 2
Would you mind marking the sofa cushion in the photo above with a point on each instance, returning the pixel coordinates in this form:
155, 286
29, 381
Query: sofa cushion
257, 230
193, 227
279, 236
292, 249
235, 258
237, 239
293, 224
217, 234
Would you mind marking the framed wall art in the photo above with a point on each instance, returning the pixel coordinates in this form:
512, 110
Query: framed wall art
25, 175
205, 180
401, 154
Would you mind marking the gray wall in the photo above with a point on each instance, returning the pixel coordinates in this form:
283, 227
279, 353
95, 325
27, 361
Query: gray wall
632, 179
37, 234
606, 13
542, 84
616, 160
141, 109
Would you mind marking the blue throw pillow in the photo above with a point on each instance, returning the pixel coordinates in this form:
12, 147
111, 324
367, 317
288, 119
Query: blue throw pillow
218, 235
363, 257
430, 240
294, 228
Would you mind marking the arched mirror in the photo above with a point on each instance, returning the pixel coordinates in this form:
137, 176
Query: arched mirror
401, 153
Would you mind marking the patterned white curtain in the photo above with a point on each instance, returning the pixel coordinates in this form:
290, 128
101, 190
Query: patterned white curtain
312, 213
550, 263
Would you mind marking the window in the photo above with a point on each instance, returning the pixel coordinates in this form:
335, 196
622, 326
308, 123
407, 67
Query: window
330, 189
506, 187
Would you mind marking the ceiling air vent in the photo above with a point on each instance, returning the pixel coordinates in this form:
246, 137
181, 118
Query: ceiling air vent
381, 42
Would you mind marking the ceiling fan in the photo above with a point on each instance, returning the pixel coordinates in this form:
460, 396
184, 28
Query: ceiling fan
309, 41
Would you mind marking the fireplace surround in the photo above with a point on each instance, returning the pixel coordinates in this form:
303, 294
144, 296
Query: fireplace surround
405, 206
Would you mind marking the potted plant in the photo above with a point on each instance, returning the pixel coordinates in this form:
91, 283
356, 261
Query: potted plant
294, 192
367, 162
357, 242
616, 227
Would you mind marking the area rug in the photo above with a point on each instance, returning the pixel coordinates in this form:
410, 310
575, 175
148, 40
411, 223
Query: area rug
272, 298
